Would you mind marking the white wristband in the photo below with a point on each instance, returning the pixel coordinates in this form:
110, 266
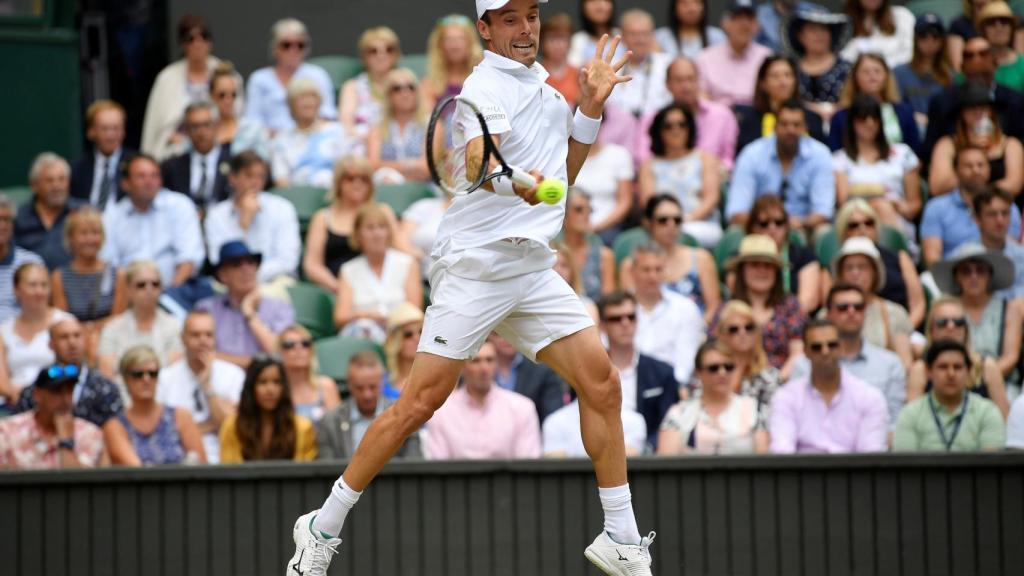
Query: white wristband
502, 185
584, 128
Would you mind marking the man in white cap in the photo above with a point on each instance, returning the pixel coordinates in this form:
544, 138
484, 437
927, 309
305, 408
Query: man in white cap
493, 270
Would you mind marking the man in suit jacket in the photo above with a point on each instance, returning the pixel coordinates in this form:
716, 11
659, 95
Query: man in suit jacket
535, 381
96, 176
648, 385
341, 429
202, 172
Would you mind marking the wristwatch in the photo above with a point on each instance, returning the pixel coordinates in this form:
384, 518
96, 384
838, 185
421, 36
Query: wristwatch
66, 444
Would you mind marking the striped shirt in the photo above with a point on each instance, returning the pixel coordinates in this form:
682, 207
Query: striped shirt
90, 295
9, 307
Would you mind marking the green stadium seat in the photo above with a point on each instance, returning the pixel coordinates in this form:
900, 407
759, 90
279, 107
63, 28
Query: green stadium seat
339, 68
306, 200
18, 194
314, 309
730, 244
827, 245
333, 354
400, 196
628, 240
415, 62
948, 10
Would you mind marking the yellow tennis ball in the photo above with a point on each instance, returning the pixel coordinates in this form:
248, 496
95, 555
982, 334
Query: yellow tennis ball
551, 190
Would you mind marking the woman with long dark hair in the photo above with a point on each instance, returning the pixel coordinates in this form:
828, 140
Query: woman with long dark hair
597, 17
929, 71
776, 83
688, 31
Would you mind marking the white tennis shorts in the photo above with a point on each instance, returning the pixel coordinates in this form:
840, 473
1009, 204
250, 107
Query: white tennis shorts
531, 311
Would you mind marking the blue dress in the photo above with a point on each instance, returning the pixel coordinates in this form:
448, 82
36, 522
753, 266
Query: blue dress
162, 445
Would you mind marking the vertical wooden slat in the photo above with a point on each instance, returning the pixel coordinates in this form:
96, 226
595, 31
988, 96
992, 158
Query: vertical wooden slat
150, 521
1012, 506
456, 525
961, 521
10, 528
862, 522
887, 519
243, 532
410, 535
551, 528
503, 525
986, 521
789, 498
936, 515
197, 526
478, 497
271, 533
359, 532
101, 531
716, 523
837, 515
55, 502
126, 529
765, 523
740, 524
434, 511
813, 524
386, 525
31, 538
694, 535
291, 507
223, 558
669, 525
79, 523
174, 533
912, 535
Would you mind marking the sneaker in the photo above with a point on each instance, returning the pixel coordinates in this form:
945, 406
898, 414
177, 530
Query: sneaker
617, 559
312, 552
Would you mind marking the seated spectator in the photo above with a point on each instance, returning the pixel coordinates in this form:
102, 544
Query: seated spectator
804, 277
25, 339
178, 85
233, 131
977, 126
453, 50
871, 76
340, 431
405, 324
555, 38
153, 223
759, 284
11, 258
950, 417
649, 386
143, 323
562, 436
200, 172
607, 180
360, 101
266, 94
929, 71
902, 284
265, 222
158, 434
396, 146
482, 420
1015, 426
689, 272
948, 321
312, 393
680, 169
304, 155
991, 210
266, 426
416, 233
807, 183
870, 364
947, 222
597, 17
772, 16
754, 377
647, 92
776, 83
715, 420
688, 31
39, 224
998, 24
728, 71
590, 256
886, 324
962, 29
565, 266
50, 437
372, 284
974, 273
209, 388
669, 327
536, 381
880, 28
89, 288
96, 176
247, 322
815, 34
831, 410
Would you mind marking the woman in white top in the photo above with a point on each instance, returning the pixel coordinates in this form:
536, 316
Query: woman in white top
688, 31
25, 338
178, 85
419, 227
305, 155
362, 97
395, 146
372, 284
715, 420
598, 17
880, 28
607, 179
240, 132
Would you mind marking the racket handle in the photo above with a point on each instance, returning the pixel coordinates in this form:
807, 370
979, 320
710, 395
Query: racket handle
523, 179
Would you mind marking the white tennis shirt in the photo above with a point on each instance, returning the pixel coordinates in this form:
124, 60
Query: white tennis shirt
533, 121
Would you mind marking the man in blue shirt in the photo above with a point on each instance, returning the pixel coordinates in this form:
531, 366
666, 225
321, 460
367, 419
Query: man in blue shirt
992, 213
772, 14
39, 224
789, 164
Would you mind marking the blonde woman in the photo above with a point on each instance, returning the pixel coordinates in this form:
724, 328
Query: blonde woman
871, 75
305, 154
395, 146
362, 98
739, 332
405, 323
453, 49
312, 394
241, 133
565, 266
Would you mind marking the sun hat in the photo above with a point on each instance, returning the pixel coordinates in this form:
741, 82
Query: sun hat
403, 314
837, 23
756, 248
994, 11
944, 272
860, 245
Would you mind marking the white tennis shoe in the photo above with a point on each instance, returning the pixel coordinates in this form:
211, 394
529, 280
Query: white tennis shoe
312, 553
617, 559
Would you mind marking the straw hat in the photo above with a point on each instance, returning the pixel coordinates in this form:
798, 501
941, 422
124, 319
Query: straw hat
756, 248
994, 11
864, 247
1002, 268
403, 314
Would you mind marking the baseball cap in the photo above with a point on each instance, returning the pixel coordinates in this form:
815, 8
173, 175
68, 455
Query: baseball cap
929, 21
737, 6
57, 376
485, 5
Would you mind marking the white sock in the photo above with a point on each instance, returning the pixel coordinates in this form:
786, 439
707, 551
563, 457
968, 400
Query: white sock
332, 514
619, 522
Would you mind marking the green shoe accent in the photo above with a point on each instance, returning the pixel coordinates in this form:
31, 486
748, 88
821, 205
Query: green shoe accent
319, 533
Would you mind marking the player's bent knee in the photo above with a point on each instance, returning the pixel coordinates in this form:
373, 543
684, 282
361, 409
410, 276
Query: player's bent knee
604, 394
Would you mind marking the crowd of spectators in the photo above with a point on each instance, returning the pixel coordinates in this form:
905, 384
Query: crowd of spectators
799, 232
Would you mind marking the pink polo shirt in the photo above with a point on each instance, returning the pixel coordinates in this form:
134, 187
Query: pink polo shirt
729, 78
505, 425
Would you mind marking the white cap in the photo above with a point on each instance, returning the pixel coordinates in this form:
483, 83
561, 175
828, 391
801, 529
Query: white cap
485, 5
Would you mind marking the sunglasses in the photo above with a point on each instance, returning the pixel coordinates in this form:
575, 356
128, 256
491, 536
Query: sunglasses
291, 344
677, 220
767, 223
204, 36
403, 87
671, 125
200, 126
411, 333
972, 269
290, 44
958, 322
143, 284
857, 224
620, 317
62, 370
377, 50
847, 306
354, 177
818, 347
735, 329
580, 209
969, 54
723, 368
226, 94
138, 374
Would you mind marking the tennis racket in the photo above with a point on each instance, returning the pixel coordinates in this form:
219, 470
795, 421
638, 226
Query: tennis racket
446, 131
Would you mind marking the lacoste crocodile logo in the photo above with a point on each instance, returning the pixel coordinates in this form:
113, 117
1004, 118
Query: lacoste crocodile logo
441, 341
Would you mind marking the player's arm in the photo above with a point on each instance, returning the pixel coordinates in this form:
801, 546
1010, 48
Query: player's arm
474, 157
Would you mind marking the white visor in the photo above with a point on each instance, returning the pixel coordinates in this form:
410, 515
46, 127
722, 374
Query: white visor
485, 5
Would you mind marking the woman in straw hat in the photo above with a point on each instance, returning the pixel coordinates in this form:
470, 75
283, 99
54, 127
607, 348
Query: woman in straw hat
403, 334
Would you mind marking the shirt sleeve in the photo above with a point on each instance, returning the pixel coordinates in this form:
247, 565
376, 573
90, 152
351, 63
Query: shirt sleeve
840, 162
688, 342
931, 225
823, 186
553, 435
1015, 425
328, 109
992, 435
436, 446
282, 255
743, 188
305, 440
783, 423
216, 230
253, 103
230, 449
277, 315
491, 107
896, 390
1014, 222
874, 425
904, 437
189, 235
528, 439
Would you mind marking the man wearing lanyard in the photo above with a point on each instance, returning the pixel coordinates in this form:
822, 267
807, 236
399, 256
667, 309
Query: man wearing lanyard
949, 417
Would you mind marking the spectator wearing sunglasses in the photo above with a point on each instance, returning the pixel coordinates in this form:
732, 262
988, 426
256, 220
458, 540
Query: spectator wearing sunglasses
405, 323
312, 393
991, 211
754, 377
304, 154
929, 71
266, 93
830, 411
361, 100
716, 420
948, 321
235, 132
395, 146
179, 84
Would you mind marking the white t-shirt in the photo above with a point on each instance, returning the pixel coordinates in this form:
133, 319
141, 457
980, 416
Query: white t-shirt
378, 293
561, 431
178, 388
533, 121
427, 215
671, 332
26, 359
1014, 425
887, 172
646, 93
600, 177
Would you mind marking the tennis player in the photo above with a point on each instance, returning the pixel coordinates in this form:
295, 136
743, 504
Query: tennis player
492, 270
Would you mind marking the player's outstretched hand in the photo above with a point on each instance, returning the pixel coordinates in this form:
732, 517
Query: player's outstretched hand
530, 194
599, 77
